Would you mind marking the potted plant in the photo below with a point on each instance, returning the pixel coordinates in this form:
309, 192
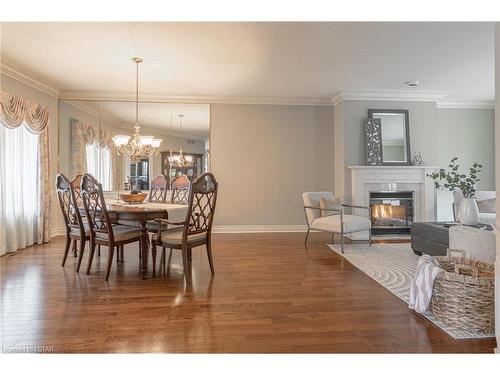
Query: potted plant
452, 180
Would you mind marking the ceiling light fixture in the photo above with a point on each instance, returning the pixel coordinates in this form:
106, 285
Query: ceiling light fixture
138, 145
412, 83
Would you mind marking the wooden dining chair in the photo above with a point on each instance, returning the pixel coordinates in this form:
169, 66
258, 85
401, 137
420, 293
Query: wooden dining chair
196, 229
102, 230
76, 229
180, 190
158, 190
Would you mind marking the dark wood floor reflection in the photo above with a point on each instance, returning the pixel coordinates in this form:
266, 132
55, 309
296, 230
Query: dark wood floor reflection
269, 294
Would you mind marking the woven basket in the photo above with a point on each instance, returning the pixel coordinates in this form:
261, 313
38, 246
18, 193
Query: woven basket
463, 296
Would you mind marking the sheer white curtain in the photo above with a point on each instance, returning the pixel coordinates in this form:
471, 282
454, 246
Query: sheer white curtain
19, 188
99, 165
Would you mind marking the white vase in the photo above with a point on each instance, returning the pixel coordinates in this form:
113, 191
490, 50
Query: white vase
468, 213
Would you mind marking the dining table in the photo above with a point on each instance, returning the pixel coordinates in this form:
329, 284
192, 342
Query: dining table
139, 214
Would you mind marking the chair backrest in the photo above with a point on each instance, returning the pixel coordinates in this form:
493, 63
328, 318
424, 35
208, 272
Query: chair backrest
180, 190
158, 189
95, 206
312, 199
67, 202
75, 184
480, 195
201, 206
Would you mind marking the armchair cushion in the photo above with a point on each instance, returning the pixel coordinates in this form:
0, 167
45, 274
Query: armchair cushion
174, 236
330, 204
331, 223
312, 199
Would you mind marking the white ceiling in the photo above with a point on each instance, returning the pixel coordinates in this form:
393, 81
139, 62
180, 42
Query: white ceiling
313, 60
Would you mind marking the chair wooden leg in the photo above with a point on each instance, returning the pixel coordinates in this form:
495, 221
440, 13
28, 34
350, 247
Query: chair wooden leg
66, 250
98, 250
210, 259
118, 253
369, 237
153, 253
74, 249
121, 252
190, 256
110, 260
307, 236
91, 256
185, 263
80, 256
342, 243
162, 261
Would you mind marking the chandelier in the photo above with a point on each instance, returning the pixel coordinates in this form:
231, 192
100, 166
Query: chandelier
180, 161
138, 145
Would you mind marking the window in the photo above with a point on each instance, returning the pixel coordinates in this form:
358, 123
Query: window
99, 165
19, 188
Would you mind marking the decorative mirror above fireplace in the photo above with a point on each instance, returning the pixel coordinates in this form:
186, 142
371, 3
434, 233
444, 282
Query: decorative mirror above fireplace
395, 133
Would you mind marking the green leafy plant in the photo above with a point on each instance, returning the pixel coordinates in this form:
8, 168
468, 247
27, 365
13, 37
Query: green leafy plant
451, 179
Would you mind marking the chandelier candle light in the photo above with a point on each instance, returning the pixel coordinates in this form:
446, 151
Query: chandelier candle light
180, 161
138, 145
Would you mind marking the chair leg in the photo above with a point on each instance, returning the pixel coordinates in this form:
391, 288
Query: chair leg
74, 249
80, 256
167, 266
98, 250
342, 243
332, 238
118, 254
187, 270
66, 250
162, 260
121, 252
153, 253
91, 256
209, 253
369, 237
190, 256
110, 260
307, 236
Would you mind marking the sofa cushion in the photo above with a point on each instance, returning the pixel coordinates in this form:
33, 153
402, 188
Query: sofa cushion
331, 223
487, 206
485, 218
475, 243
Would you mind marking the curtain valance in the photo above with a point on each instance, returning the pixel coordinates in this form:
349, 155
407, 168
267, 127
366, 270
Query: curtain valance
88, 134
16, 111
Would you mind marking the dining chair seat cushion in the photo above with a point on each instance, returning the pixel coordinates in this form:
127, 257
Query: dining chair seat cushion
174, 236
121, 233
352, 223
76, 231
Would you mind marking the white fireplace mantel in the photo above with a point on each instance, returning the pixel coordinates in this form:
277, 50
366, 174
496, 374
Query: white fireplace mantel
366, 178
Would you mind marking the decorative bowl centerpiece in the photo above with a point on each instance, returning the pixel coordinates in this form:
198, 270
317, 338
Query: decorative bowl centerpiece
133, 197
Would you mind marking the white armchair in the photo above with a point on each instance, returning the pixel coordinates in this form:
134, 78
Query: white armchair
339, 222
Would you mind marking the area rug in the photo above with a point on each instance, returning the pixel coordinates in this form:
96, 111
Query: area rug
393, 266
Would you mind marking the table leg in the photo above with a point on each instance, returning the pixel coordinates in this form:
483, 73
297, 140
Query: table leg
144, 245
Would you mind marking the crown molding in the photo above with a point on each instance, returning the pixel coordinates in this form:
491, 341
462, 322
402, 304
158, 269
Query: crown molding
266, 100
389, 95
466, 104
28, 79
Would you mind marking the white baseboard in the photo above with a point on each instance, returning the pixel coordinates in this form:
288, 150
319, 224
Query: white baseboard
259, 228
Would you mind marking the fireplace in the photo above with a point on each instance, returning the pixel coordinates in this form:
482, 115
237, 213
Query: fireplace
391, 212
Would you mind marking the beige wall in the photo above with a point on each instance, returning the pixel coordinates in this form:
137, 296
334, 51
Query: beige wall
265, 156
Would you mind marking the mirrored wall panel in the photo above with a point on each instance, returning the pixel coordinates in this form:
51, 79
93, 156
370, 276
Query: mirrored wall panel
102, 138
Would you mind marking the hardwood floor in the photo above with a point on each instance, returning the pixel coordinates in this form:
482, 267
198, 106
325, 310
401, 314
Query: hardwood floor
269, 294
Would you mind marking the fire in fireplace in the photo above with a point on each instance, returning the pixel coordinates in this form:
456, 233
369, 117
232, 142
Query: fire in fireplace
391, 211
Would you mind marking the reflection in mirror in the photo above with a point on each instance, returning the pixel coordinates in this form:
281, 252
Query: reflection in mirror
395, 135
88, 128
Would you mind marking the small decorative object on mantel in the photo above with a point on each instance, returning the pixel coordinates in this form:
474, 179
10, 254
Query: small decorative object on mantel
373, 136
468, 211
417, 159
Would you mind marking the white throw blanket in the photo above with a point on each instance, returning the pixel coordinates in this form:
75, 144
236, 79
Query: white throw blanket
423, 282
